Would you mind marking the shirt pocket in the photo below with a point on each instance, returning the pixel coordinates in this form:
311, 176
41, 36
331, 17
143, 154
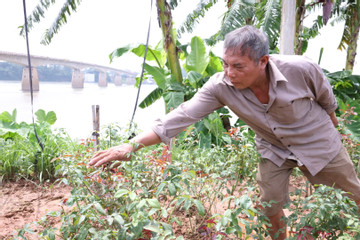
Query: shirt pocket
291, 111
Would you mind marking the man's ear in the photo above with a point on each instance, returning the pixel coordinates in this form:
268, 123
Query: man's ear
264, 61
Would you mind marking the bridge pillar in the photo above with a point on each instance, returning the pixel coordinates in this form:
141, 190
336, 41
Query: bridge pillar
118, 80
77, 80
102, 79
25, 80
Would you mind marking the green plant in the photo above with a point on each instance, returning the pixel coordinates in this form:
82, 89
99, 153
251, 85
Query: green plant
199, 65
328, 213
22, 155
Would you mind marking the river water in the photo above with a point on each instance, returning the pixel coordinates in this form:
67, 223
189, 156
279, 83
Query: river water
73, 107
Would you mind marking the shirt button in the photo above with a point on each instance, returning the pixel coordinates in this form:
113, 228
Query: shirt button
289, 145
274, 128
267, 111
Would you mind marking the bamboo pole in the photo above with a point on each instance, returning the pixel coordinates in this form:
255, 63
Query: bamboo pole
96, 125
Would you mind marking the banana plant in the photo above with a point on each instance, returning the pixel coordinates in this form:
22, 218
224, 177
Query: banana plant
198, 65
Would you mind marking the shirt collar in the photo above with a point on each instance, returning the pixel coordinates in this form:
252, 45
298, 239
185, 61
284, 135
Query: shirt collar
275, 74
226, 80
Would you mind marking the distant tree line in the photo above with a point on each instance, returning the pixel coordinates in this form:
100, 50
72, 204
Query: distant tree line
47, 73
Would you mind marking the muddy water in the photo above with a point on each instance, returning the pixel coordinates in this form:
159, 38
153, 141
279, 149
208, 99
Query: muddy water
73, 107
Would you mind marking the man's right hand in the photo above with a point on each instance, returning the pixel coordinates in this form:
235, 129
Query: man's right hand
118, 153
123, 152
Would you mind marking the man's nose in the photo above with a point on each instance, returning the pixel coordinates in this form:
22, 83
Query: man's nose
230, 71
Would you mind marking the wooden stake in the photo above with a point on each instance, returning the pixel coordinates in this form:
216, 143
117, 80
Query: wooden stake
96, 125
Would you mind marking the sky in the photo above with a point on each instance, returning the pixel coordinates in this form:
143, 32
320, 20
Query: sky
95, 30
100, 27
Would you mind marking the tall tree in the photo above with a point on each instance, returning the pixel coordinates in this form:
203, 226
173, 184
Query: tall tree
349, 12
169, 38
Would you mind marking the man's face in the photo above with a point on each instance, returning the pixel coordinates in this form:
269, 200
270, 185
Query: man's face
241, 70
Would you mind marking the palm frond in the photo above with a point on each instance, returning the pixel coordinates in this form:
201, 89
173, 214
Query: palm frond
268, 19
193, 18
68, 7
346, 37
349, 13
37, 14
240, 13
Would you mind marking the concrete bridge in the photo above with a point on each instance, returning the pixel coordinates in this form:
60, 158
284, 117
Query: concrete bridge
77, 80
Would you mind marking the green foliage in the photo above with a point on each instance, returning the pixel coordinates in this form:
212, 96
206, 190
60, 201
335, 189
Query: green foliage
200, 193
346, 88
21, 155
329, 214
198, 59
262, 14
199, 65
158, 190
345, 85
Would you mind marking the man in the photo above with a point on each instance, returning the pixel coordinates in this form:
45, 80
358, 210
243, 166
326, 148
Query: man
289, 104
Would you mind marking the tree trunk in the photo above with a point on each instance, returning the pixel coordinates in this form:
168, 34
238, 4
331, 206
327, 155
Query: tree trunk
164, 14
299, 17
354, 26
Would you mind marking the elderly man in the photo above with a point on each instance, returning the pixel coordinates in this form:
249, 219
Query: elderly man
288, 103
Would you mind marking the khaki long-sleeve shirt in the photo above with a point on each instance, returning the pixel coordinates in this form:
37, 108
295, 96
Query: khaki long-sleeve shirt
294, 122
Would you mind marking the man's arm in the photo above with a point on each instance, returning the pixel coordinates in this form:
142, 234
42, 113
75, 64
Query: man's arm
334, 119
122, 152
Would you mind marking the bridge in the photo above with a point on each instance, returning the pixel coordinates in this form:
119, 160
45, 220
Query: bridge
77, 80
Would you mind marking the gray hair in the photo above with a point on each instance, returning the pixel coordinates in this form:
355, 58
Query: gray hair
247, 40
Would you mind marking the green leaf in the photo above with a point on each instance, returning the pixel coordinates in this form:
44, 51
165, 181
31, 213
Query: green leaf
200, 207
173, 99
7, 117
194, 78
160, 188
187, 204
172, 189
99, 208
205, 140
154, 203
50, 117
119, 220
132, 196
9, 134
81, 219
153, 228
120, 193
164, 213
152, 54
151, 98
198, 59
83, 233
119, 52
215, 65
158, 74
141, 203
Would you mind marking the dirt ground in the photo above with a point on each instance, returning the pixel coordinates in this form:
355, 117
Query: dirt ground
24, 202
